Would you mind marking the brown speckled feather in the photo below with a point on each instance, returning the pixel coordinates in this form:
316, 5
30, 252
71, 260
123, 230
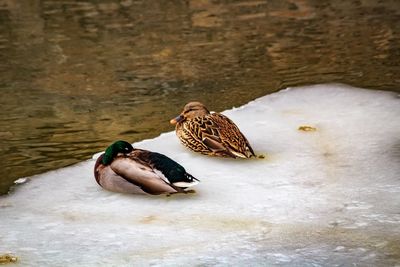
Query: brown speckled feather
214, 134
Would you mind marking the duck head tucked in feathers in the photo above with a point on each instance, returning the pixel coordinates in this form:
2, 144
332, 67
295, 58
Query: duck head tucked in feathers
125, 169
210, 133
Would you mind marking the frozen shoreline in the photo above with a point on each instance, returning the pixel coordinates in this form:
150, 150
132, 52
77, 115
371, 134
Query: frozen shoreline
324, 197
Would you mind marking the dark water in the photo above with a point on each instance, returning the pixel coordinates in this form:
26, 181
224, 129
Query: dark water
77, 75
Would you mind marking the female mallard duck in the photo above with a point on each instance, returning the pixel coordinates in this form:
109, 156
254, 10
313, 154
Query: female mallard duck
125, 169
210, 133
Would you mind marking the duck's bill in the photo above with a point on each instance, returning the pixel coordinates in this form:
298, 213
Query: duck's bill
176, 120
185, 184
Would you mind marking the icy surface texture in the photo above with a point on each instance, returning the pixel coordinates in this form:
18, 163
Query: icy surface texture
329, 197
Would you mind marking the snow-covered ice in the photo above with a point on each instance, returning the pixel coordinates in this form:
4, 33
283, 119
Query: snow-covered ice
329, 197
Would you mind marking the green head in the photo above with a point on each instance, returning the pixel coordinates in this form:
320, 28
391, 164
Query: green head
113, 150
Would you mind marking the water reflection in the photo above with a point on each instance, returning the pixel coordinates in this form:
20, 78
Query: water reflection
75, 76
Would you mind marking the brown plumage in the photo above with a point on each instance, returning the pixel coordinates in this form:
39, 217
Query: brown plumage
210, 133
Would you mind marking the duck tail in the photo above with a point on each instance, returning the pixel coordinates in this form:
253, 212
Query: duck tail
190, 181
191, 177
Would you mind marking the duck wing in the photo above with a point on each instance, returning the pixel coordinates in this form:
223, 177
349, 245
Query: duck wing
190, 134
201, 134
169, 170
219, 135
141, 174
230, 135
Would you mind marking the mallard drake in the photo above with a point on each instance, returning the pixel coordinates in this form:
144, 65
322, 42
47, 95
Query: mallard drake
210, 133
125, 169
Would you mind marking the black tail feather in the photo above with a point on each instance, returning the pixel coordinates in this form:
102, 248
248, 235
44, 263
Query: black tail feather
191, 177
